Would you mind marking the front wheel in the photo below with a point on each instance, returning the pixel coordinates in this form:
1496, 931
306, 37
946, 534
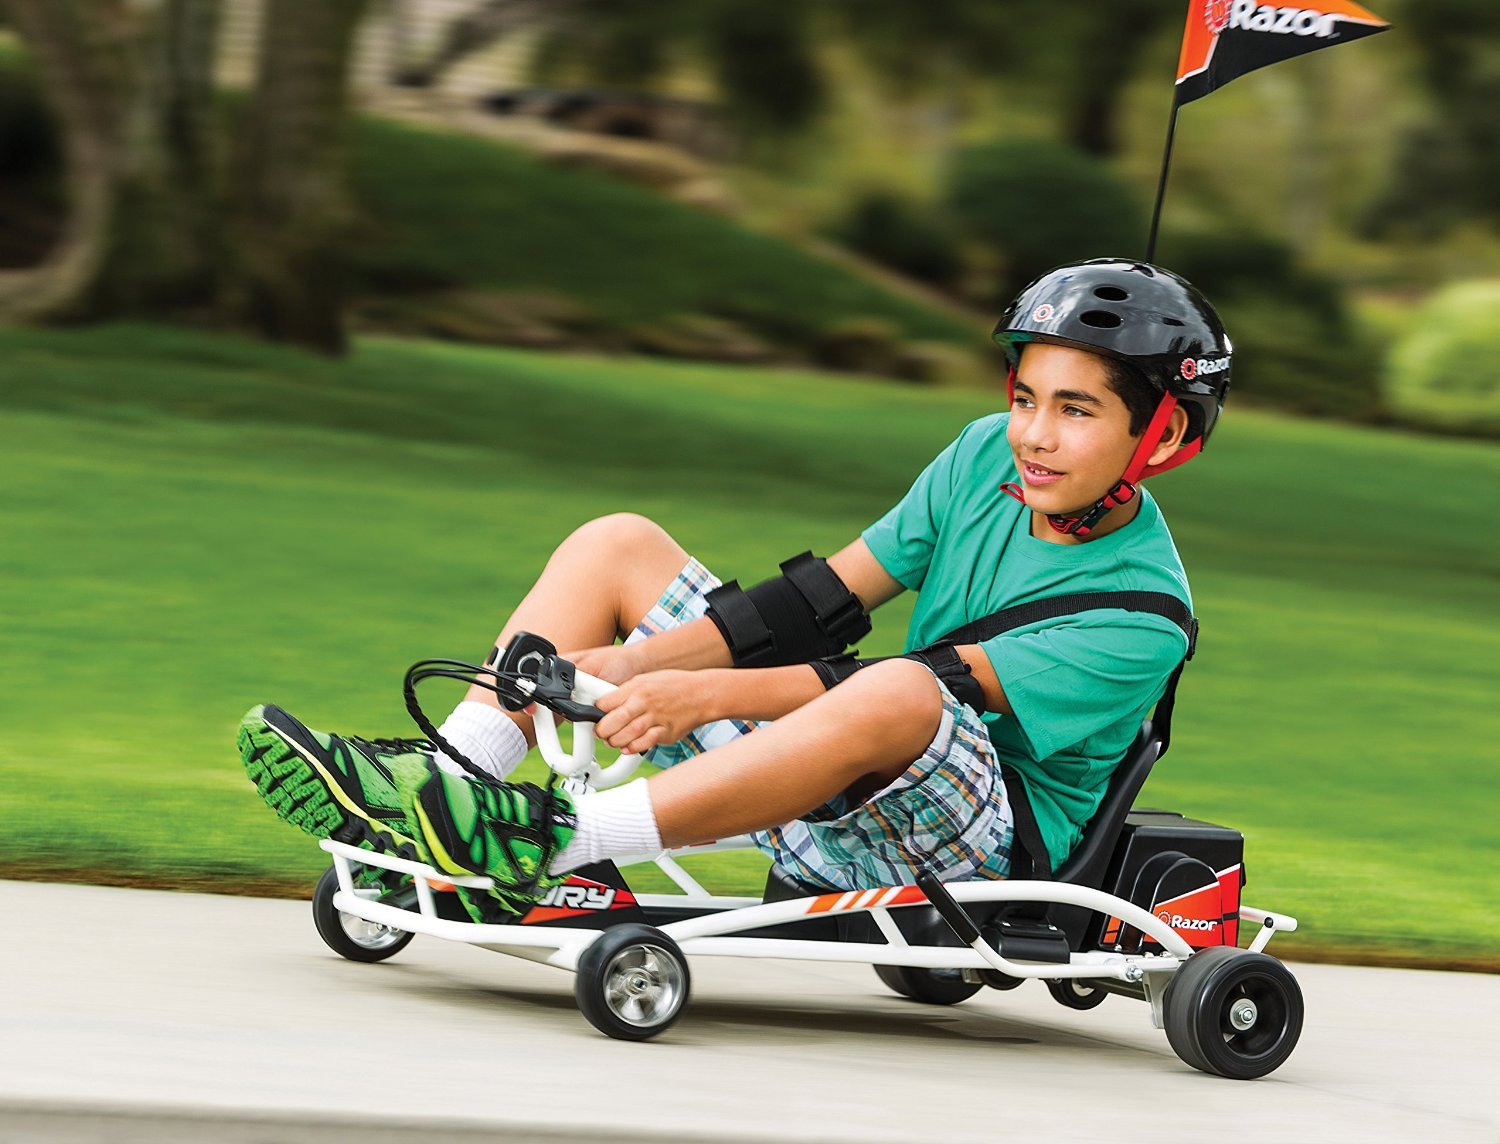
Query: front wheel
1233, 1013
632, 982
347, 935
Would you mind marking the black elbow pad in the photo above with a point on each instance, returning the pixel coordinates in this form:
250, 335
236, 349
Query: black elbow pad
804, 614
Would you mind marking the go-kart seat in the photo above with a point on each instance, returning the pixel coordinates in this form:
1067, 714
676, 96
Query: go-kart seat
1089, 862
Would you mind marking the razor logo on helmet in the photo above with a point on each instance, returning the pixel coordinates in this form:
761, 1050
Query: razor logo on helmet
1253, 17
1196, 367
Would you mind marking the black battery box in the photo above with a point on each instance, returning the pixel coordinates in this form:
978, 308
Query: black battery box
1187, 873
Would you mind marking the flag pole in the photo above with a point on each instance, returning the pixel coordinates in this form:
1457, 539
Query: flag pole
1161, 186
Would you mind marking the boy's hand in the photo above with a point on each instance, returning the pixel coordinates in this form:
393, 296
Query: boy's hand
614, 664
654, 708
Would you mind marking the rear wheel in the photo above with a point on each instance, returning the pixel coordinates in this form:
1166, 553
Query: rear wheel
347, 935
1076, 993
1233, 1013
929, 986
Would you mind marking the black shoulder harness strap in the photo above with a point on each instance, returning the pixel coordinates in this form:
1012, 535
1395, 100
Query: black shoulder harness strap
1028, 859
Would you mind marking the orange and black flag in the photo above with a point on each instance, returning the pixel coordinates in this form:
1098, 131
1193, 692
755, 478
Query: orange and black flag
1225, 39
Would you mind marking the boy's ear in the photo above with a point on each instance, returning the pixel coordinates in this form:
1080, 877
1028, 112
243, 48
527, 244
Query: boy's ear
1171, 440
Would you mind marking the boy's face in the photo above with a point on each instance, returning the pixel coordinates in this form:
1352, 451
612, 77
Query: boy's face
1069, 431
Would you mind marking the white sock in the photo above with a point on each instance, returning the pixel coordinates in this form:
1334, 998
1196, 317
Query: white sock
614, 823
493, 743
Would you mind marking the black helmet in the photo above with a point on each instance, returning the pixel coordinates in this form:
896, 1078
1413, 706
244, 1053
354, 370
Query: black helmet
1138, 313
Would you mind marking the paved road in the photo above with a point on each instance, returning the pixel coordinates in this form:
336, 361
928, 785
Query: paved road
131, 1015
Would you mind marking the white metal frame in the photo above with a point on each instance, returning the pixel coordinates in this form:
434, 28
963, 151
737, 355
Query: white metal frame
715, 932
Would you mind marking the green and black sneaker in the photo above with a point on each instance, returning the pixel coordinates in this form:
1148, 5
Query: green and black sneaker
507, 831
332, 786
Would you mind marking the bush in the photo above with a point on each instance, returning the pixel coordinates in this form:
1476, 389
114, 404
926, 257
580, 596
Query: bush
1442, 375
896, 232
1296, 343
1041, 204
859, 345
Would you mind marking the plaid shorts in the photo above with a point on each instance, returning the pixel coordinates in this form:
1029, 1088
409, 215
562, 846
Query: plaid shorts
948, 809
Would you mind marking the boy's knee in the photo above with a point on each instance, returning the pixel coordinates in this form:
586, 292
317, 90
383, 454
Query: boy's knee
897, 697
620, 531
622, 534
629, 557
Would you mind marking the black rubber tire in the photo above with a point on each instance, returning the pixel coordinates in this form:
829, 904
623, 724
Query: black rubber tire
331, 927
1076, 993
658, 968
929, 986
1002, 981
1200, 1012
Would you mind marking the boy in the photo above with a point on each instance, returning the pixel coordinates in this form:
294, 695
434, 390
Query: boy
852, 777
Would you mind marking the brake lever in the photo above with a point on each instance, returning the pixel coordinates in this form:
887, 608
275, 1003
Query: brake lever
553, 689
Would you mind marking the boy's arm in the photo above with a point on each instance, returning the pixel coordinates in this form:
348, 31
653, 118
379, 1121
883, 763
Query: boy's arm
698, 645
662, 706
984, 674
681, 678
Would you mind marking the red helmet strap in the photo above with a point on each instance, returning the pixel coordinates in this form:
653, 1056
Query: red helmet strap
1150, 439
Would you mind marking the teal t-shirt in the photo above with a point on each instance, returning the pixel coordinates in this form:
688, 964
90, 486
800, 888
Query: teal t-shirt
1079, 685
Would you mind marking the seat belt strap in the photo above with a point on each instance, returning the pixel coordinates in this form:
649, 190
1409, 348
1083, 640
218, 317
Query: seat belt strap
1029, 857
1055, 607
1028, 851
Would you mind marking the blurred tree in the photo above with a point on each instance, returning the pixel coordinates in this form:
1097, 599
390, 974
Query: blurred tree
1449, 164
1037, 203
759, 56
131, 90
764, 59
470, 32
151, 223
289, 204
1109, 40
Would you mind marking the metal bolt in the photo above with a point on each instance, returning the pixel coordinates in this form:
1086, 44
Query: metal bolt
1133, 973
1243, 1015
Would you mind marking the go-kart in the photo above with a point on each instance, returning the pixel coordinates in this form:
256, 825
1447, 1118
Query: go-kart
1148, 906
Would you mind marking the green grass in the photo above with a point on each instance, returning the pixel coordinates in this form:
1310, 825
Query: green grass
442, 209
192, 524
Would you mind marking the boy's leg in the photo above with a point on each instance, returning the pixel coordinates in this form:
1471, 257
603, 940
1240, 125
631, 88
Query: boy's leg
596, 587
603, 577
883, 774
860, 736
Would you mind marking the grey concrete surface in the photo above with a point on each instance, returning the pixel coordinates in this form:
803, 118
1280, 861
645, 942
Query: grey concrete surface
133, 1015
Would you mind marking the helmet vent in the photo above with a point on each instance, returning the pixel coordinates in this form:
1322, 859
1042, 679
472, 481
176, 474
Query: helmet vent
1100, 319
1171, 321
1111, 293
